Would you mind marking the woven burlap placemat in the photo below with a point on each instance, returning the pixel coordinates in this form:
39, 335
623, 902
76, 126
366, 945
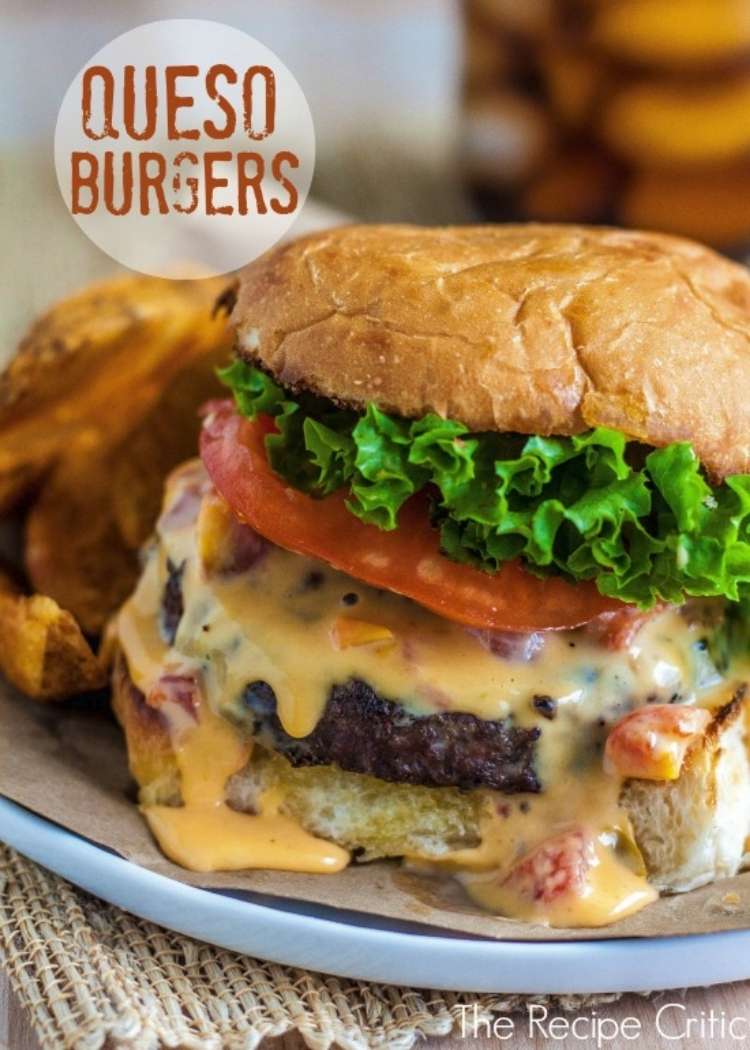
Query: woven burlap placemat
91, 975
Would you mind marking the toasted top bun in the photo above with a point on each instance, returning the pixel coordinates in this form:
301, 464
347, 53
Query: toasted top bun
528, 328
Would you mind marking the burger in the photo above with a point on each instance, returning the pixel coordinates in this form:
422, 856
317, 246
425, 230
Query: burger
461, 574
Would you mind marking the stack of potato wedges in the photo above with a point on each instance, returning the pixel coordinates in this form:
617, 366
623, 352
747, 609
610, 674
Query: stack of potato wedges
98, 404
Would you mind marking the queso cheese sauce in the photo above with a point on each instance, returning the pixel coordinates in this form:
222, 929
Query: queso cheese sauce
238, 611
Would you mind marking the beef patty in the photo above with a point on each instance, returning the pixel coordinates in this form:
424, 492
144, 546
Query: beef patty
362, 732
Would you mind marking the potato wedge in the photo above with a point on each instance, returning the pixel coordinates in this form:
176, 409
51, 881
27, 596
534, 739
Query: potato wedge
43, 652
98, 505
74, 551
165, 438
17, 481
99, 404
94, 365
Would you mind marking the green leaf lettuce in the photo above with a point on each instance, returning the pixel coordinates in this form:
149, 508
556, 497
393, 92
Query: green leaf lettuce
646, 528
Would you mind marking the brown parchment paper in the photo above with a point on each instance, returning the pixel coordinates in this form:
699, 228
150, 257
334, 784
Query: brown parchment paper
68, 764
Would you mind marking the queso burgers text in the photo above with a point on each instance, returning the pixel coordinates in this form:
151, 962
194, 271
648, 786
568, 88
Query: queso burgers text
461, 576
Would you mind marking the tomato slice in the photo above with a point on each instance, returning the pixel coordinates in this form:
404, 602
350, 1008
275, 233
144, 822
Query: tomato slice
407, 560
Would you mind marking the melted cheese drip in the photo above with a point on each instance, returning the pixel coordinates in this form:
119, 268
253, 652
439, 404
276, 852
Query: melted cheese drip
204, 834
511, 829
269, 624
613, 891
275, 622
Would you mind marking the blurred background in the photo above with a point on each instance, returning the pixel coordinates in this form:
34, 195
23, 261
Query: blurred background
628, 111
635, 112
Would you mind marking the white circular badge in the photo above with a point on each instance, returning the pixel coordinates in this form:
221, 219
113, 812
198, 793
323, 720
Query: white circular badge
184, 148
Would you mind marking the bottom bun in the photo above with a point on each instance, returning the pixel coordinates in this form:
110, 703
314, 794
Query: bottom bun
373, 818
693, 830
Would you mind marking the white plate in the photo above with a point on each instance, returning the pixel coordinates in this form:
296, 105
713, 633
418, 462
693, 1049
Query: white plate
354, 945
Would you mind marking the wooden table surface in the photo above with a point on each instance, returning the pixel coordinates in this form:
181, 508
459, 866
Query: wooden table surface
716, 1006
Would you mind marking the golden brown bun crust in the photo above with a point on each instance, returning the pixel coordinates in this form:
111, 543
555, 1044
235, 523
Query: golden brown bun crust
534, 329
151, 756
